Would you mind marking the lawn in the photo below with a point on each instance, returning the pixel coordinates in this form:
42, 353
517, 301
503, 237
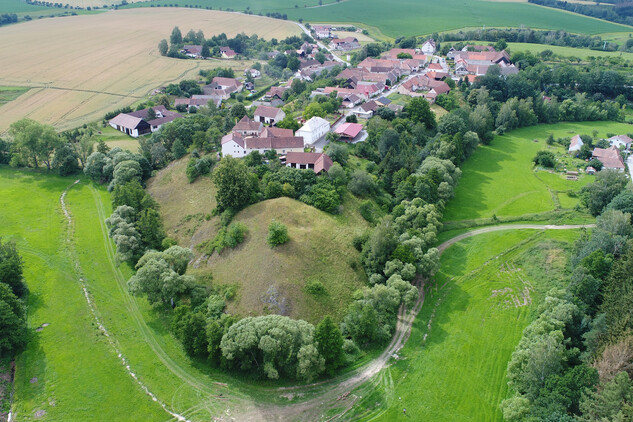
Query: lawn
10, 93
498, 179
453, 366
66, 365
582, 53
115, 138
114, 61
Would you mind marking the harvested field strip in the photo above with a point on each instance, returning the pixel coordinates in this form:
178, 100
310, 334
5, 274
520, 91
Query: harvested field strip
114, 60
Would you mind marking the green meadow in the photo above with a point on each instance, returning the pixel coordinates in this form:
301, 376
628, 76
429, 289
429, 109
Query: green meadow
68, 355
581, 53
499, 180
453, 366
413, 17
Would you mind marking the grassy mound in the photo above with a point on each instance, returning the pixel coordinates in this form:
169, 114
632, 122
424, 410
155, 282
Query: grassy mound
312, 275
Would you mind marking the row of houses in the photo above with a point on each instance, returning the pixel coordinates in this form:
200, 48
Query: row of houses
195, 52
611, 158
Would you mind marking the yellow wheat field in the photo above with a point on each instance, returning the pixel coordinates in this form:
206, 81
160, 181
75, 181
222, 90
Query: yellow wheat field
80, 67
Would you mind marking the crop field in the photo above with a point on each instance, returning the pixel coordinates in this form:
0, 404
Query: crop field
581, 53
498, 179
88, 65
454, 365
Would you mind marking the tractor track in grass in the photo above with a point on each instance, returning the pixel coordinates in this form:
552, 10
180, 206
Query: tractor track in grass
323, 393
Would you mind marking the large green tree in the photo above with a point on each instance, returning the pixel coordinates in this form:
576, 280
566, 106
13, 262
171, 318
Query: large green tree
33, 142
329, 343
234, 182
12, 323
11, 267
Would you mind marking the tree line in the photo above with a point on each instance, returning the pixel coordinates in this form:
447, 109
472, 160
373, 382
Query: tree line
573, 361
13, 293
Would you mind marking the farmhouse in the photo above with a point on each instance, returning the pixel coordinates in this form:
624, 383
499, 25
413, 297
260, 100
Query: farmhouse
422, 85
193, 51
322, 31
136, 123
344, 44
227, 53
247, 127
254, 73
276, 92
281, 145
365, 111
223, 87
197, 101
318, 162
610, 158
428, 47
348, 131
233, 145
575, 144
269, 115
313, 130
620, 141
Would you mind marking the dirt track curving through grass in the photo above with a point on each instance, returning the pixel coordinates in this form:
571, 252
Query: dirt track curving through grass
441, 248
322, 394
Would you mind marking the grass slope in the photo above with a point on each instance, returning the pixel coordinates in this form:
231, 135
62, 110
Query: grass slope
498, 179
114, 60
320, 248
453, 367
68, 370
273, 280
582, 53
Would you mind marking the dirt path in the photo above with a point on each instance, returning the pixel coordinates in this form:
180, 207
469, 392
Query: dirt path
463, 236
323, 395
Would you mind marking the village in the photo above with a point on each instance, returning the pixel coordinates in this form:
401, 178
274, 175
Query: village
362, 91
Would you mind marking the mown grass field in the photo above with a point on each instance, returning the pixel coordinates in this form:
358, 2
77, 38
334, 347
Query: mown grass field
581, 53
88, 65
115, 138
66, 366
498, 179
412, 17
453, 366
10, 93
267, 280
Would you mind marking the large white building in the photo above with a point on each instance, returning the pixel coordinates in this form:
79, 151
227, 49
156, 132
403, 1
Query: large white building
313, 130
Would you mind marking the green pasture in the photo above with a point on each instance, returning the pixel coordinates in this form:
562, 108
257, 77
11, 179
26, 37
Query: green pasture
115, 138
499, 180
581, 53
453, 366
413, 17
10, 93
68, 371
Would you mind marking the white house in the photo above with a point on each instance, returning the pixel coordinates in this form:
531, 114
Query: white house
313, 130
233, 145
620, 141
575, 144
269, 115
428, 47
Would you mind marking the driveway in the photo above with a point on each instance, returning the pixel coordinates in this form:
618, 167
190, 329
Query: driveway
629, 163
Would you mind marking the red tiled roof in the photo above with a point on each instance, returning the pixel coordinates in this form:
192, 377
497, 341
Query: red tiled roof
247, 124
276, 132
274, 143
320, 161
610, 157
233, 137
350, 130
266, 111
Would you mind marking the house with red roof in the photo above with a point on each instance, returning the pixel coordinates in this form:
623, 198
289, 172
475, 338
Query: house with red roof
227, 53
193, 51
610, 158
575, 144
348, 131
344, 44
268, 115
318, 162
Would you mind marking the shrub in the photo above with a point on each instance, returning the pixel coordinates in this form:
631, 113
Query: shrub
366, 210
277, 234
545, 159
235, 234
361, 184
315, 287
